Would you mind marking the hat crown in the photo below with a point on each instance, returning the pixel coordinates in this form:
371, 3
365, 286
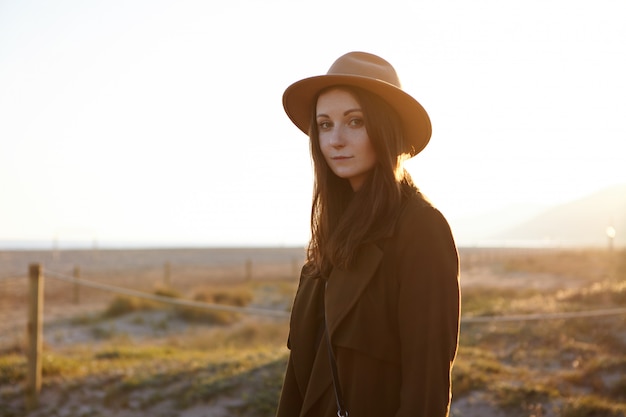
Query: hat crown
362, 64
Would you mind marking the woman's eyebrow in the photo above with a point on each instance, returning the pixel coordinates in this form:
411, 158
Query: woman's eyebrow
345, 113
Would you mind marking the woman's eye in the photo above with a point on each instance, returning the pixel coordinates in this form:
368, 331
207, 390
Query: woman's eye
356, 122
324, 125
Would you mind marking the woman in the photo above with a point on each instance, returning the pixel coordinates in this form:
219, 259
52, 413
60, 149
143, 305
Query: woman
375, 321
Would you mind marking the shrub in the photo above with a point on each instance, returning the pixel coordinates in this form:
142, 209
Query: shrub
231, 297
12, 369
167, 292
122, 304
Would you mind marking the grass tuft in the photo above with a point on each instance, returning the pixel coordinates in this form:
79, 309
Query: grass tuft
592, 406
237, 297
123, 304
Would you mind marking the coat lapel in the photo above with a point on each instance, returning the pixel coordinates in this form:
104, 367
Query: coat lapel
343, 289
346, 286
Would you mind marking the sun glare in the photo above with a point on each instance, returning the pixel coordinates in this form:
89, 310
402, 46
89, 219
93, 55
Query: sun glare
610, 232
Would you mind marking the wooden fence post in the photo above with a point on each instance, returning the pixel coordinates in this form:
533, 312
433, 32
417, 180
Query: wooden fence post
295, 268
76, 285
248, 270
35, 336
167, 272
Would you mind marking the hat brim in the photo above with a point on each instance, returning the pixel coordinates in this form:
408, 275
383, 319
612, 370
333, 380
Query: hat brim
299, 97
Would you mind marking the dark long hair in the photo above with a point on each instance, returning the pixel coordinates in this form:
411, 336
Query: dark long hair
341, 219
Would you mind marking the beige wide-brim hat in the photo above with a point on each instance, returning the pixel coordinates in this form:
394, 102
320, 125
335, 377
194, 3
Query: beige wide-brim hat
371, 73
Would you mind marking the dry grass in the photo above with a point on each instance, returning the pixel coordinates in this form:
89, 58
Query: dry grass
110, 355
568, 368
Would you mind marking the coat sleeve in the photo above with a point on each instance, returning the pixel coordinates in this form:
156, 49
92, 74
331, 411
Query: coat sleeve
290, 401
428, 312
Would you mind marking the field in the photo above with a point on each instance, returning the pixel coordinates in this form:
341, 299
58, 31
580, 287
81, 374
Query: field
108, 354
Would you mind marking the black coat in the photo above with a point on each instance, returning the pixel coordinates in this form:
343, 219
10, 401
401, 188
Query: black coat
393, 320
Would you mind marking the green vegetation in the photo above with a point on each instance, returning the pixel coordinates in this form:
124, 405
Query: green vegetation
143, 377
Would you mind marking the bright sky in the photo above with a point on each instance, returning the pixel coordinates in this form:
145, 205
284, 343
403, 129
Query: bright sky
161, 122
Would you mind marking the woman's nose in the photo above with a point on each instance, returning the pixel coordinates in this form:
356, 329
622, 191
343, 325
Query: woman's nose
337, 138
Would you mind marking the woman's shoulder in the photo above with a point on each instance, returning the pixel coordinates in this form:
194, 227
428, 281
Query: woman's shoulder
416, 206
415, 199
419, 217
422, 236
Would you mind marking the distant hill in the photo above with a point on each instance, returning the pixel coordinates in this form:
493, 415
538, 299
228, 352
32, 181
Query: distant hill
581, 222
481, 228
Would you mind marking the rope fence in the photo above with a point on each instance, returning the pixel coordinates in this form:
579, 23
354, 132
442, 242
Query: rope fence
546, 316
165, 299
285, 314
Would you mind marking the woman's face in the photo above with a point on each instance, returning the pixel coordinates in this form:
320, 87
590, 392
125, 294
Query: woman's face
343, 138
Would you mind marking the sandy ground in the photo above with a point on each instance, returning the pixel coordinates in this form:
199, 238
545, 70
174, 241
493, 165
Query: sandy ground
144, 270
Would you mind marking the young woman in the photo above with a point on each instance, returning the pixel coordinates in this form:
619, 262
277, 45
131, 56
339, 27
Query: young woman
375, 321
